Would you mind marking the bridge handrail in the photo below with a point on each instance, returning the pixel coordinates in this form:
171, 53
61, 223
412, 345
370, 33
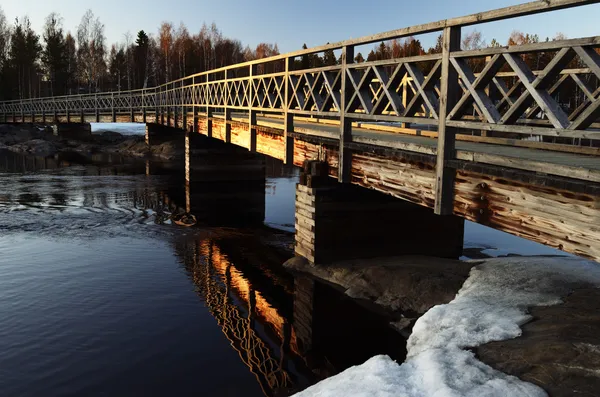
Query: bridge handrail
454, 90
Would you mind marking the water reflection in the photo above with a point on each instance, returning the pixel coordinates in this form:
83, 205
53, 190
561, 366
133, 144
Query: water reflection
289, 332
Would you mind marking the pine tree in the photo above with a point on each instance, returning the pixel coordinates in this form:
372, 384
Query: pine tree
329, 58
23, 59
54, 55
140, 60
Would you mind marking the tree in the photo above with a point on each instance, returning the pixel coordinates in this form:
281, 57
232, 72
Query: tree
141, 59
329, 58
71, 57
54, 55
359, 58
91, 51
23, 57
4, 46
165, 39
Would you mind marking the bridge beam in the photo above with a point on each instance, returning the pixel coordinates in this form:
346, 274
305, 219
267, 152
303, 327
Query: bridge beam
341, 221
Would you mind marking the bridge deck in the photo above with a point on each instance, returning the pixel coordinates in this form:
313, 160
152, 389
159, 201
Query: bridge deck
570, 165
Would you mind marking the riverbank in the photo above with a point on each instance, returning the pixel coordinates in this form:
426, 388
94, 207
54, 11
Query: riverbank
40, 140
521, 326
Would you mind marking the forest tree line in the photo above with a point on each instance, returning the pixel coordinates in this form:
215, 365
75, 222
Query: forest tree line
58, 62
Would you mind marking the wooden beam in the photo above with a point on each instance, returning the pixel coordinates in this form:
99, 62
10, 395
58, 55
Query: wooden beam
288, 120
449, 95
345, 156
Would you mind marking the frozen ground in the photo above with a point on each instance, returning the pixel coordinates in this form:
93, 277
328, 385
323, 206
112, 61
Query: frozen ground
121, 128
491, 306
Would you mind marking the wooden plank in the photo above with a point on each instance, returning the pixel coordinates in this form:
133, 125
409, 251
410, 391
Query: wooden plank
449, 91
531, 165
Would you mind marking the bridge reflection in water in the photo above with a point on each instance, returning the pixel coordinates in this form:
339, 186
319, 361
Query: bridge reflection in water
257, 330
289, 332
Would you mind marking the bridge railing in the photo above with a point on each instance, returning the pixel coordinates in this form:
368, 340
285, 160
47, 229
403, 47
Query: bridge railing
497, 93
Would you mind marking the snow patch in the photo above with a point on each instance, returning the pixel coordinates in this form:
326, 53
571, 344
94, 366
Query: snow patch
491, 306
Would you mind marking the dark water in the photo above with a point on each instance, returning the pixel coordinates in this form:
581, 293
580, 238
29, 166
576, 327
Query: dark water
97, 299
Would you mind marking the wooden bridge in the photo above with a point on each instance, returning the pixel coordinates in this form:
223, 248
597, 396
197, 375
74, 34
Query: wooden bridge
480, 134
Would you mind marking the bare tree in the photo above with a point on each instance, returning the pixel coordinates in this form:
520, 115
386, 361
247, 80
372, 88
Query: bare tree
91, 51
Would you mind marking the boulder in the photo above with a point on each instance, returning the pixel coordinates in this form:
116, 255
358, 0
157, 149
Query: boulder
36, 147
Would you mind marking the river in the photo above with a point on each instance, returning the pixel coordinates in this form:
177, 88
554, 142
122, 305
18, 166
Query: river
98, 298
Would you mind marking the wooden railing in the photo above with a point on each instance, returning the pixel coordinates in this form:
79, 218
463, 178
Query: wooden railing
492, 90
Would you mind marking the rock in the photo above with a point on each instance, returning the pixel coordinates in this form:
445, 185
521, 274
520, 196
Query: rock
109, 137
134, 147
170, 150
12, 134
406, 284
559, 349
36, 147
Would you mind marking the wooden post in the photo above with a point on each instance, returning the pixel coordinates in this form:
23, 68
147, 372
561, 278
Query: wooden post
227, 110
251, 113
183, 107
97, 108
157, 111
143, 104
405, 97
168, 104
209, 130
345, 156
288, 117
112, 108
449, 94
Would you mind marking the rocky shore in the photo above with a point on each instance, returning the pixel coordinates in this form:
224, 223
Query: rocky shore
557, 347
40, 140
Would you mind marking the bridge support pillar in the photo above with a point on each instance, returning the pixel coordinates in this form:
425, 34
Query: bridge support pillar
225, 184
76, 131
157, 134
340, 222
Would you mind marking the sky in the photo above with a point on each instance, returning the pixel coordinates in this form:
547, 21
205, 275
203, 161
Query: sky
290, 24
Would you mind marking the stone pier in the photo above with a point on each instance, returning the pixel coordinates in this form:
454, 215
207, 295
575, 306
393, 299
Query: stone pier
337, 222
225, 184
157, 134
75, 131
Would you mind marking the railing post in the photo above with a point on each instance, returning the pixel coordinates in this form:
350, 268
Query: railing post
143, 104
288, 118
195, 105
81, 111
67, 110
345, 155
227, 110
161, 106
251, 113
112, 107
208, 108
131, 110
168, 103
97, 107
183, 107
449, 94
176, 118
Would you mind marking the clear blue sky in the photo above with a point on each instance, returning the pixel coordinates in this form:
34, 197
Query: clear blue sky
290, 24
